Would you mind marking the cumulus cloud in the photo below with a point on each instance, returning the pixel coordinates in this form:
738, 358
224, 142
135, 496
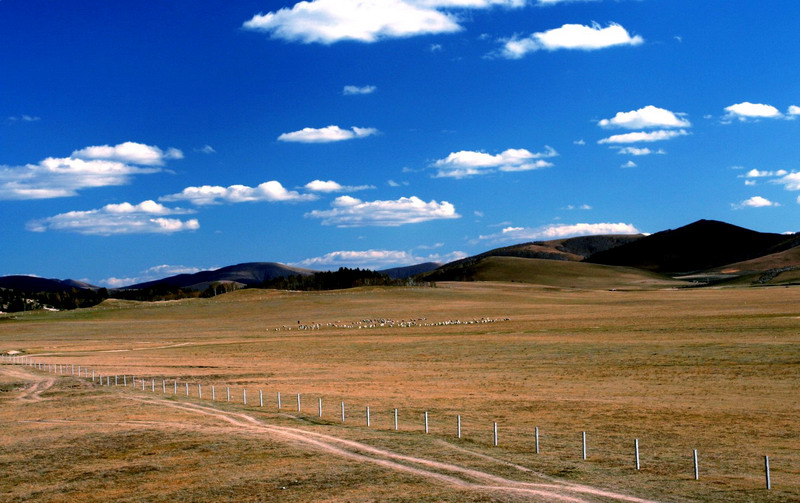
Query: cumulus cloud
351, 212
748, 111
644, 118
356, 90
558, 231
644, 136
467, 163
637, 151
271, 191
570, 36
147, 217
629, 164
374, 259
755, 202
65, 176
789, 180
793, 110
754, 173
330, 186
129, 152
327, 134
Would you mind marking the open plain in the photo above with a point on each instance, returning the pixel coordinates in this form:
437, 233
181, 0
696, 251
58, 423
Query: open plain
717, 370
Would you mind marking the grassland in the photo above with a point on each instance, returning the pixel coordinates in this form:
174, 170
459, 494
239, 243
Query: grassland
713, 370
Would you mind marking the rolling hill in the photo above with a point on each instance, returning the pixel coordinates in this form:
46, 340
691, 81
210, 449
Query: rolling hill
554, 273
696, 247
24, 283
249, 274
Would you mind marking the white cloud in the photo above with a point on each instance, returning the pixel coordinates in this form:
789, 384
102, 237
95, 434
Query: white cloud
129, 152
644, 136
558, 231
331, 186
351, 212
356, 90
755, 202
579, 142
330, 21
374, 259
746, 110
570, 36
327, 134
469, 163
790, 180
206, 149
271, 191
24, 118
629, 164
754, 173
571, 207
644, 118
639, 151
793, 110
148, 217
750, 183
64, 177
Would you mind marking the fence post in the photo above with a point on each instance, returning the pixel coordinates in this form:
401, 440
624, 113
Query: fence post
260, 398
279, 400
766, 473
116, 380
319, 403
143, 382
229, 393
187, 389
636, 451
164, 386
153, 389
696, 465
458, 426
395, 420
343, 412
426, 421
244, 396
298, 402
213, 394
583, 444
367, 416
536, 439
494, 442
175, 390
199, 391
125, 380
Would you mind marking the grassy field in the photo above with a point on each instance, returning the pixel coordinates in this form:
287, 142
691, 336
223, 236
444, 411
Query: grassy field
714, 370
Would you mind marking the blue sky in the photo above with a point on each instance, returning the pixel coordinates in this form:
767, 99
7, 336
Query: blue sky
143, 139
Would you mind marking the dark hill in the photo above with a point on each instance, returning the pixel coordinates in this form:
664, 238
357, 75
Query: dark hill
695, 247
250, 274
411, 270
23, 283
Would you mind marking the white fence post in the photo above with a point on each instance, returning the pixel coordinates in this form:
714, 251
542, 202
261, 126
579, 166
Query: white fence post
213, 394
319, 404
244, 396
494, 441
536, 439
187, 389
426, 421
175, 390
458, 426
260, 398
199, 391
298, 402
154, 386
696, 465
636, 451
395, 421
164, 386
766, 473
279, 401
228, 390
125, 380
583, 444
367, 416
343, 412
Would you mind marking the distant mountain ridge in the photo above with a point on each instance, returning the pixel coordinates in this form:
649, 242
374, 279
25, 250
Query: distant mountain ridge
24, 283
247, 274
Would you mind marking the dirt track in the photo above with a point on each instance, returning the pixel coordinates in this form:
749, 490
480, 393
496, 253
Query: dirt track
439, 472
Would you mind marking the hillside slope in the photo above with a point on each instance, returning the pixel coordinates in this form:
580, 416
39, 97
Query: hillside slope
250, 273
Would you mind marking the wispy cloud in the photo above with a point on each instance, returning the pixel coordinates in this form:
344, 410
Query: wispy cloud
327, 134
638, 151
644, 136
466, 163
206, 149
271, 191
558, 231
147, 217
330, 187
351, 212
374, 259
570, 36
24, 118
356, 90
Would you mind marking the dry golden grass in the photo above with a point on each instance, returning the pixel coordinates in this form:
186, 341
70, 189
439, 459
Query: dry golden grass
715, 370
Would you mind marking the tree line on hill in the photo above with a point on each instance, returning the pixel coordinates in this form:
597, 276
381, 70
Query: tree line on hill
12, 300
